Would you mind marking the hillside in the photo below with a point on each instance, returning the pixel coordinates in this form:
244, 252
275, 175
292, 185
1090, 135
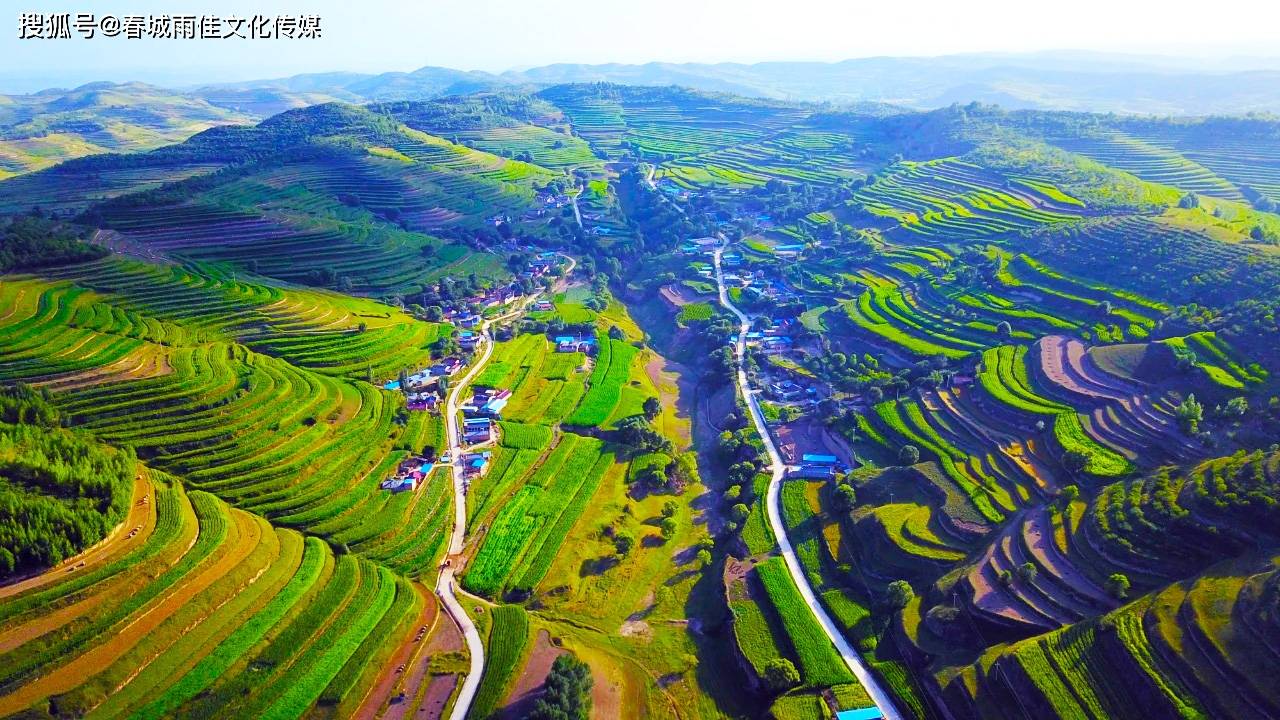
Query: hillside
43, 129
756, 408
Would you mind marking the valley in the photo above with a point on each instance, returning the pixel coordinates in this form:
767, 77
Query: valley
661, 402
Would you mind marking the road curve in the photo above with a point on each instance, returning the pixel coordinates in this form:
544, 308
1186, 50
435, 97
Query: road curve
773, 503
457, 542
444, 585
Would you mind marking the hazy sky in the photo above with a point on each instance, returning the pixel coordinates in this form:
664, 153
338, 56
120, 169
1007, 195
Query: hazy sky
495, 35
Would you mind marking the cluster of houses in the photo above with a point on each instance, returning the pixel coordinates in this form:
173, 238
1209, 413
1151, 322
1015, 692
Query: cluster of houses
774, 339
486, 403
422, 388
546, 205
409, 476
459, 312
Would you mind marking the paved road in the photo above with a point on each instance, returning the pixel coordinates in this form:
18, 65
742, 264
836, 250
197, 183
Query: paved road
457, 542
773, 503
573, 200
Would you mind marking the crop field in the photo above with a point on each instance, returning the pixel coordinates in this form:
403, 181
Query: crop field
611, 371
302, 448
289, 244
911, 303
819, 663
757, 630
527, 532
545, 385
950, 199
170, 307
508, 637
1039, 344
1151, 161
221, 606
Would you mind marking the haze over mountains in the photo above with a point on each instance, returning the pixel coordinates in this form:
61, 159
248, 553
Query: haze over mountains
39, 129
1059, 80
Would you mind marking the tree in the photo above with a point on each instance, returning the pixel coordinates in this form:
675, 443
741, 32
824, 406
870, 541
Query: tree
704, 557
652, 407
615, 333
1118, 586
909, 455
1257, 233
845, 498
669, 508
898, 594
780, 675
1027, 572
1189, 413
567, 694
1236, 407
1075, 460
1004, 329
623, 542
1068, 495
667, 527
1189, 201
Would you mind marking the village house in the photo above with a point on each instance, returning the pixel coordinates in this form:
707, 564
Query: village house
572, 343
816, 467
475, 464
477, 430
468, 340
486, 403
785, 390
422, 401
776, 344
446, 367
408, 477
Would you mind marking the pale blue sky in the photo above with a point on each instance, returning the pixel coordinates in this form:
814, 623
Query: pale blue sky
495, 35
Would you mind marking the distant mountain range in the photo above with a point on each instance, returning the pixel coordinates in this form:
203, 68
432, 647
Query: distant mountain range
40, 129
1059, 81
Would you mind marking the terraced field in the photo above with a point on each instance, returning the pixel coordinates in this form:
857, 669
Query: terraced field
302, 448
950, 199
1174, 648
911, 303
220, 609
1045, 377
1151, 160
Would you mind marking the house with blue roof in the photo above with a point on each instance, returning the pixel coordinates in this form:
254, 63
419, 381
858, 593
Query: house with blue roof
870, 713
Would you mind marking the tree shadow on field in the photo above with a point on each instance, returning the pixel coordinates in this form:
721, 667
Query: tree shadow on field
597, 566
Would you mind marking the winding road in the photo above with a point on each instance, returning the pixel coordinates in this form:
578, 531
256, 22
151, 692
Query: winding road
445, 584
573, 200
773, 503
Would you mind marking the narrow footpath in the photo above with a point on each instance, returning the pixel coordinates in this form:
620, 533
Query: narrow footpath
773, 503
